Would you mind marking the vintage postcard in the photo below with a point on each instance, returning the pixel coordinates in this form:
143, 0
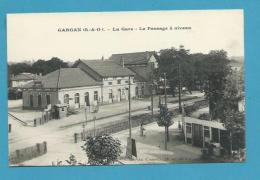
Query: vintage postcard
118, 88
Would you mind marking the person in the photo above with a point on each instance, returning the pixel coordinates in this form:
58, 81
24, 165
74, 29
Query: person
142, 129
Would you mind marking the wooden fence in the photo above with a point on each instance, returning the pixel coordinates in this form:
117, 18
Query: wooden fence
46, 117
28, 153
123, 124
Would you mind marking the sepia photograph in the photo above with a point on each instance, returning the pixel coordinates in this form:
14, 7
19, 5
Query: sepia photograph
120, 88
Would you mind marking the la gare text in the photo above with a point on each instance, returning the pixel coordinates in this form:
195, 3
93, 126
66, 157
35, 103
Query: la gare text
116, 29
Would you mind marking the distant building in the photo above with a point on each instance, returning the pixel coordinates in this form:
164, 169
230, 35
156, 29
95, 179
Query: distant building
70, 86
17, 81
143, 65
92, 82
114, 79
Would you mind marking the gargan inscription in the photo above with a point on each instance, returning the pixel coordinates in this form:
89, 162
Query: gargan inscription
118, 29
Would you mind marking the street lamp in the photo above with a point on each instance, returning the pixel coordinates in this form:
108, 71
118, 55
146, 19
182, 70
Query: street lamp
95, 109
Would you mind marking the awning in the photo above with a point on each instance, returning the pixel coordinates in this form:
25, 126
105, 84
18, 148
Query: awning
213, 124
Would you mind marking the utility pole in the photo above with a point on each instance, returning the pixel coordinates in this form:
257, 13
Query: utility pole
152, 102
165, 98
180, 89
129, 148
129, 104
165, 90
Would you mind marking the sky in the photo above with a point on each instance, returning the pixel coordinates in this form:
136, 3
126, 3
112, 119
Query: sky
34, 36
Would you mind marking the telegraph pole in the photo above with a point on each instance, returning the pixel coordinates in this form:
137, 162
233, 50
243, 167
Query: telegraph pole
165, 90
152, 102
129, 104
129, 148
165, 98
180, 89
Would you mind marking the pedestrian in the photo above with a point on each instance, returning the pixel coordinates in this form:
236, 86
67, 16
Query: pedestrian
142, 129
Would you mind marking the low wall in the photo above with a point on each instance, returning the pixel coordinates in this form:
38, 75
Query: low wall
46, 117
28, 153
123, 124
115, 127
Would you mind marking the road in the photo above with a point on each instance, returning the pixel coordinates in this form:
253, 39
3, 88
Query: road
59, 133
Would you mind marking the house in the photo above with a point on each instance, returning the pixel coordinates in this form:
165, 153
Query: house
17, 81
71, 86
114, 79
91, 82
202, 132
143, 65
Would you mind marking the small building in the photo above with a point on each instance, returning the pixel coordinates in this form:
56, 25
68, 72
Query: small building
113, 78
143, 65
201, 132
17, 81
70, 86
92, 82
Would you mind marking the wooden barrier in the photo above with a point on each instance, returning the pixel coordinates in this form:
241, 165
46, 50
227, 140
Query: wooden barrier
28, 153
46, 117
123, 124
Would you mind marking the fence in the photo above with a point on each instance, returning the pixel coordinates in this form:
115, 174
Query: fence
123, 124
28, 153
115, 127
46, 117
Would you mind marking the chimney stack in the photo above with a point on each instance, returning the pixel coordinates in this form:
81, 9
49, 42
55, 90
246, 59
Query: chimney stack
147, 55
122, 62
102, 58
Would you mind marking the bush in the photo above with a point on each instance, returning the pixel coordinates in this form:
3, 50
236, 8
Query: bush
102, 150
204, 116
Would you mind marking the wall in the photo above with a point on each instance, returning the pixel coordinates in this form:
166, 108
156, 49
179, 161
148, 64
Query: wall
81, 90
19, 83
115, 87
28, 153
26, 98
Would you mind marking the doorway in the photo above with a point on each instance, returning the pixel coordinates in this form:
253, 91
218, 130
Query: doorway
197, 135
87, 99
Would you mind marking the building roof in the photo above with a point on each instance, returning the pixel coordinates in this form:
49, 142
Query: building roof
64, 78
132, 58
213, 124
23, 76
107, 68
142, 73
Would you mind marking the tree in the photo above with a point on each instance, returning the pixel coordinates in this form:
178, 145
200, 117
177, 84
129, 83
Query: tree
102, 149
14, 69
215, 69
176, 63
165, 119
234, 122
45, 67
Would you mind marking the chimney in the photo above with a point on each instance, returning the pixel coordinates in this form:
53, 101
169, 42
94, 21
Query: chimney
122, 62
147, 55
102, 58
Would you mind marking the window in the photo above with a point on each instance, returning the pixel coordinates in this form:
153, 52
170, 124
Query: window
77, 98
95, 96
126, 82
87, 99
142, 89
66, 99
109, 83
206, 131
123, 91
39, 100
110, 94
188, 127
119, 81
31, 100
48, 99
